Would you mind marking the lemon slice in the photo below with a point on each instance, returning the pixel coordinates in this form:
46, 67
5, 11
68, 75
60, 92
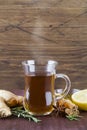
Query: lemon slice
80, 99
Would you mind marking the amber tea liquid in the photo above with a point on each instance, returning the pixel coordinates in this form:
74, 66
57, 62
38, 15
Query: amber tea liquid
39, 93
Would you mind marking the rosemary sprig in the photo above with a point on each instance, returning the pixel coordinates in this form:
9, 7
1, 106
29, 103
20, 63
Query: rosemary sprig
73, 117
20, 112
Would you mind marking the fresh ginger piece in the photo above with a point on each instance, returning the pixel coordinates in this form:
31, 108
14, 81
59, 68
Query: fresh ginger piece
11, 99
4, 109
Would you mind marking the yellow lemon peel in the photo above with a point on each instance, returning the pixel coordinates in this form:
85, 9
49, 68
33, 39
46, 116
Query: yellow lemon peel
80, 99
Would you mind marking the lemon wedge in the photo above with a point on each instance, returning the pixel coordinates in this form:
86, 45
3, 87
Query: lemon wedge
80, 99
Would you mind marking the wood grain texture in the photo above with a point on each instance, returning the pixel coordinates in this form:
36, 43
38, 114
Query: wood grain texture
36, 29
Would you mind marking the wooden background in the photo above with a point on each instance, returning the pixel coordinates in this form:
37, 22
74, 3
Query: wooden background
32, 29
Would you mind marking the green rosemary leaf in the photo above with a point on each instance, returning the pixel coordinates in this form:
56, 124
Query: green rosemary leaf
20, 112
73, 117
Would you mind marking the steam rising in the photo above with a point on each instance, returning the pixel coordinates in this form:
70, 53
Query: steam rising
38, 42
38, 38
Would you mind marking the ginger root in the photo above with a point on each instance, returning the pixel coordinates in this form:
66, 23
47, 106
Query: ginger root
10, 98
4, 109
7, 100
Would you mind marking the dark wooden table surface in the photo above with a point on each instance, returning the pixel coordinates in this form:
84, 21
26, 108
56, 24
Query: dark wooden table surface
32, 29
47, 122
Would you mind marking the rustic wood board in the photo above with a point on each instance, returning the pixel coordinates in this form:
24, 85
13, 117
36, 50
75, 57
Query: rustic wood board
50, 122
36, 29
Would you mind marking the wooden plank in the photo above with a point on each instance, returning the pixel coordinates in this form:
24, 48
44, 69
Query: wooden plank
46, 3
43, 17
44, 34
59, 33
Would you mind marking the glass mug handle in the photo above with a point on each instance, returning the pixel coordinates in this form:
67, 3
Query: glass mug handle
66, 89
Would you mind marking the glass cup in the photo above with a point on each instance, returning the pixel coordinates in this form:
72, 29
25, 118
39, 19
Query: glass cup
40, 94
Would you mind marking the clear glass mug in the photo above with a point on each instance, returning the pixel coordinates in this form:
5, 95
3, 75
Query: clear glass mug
39, 94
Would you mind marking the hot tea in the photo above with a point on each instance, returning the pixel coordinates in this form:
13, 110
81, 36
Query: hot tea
39, 92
